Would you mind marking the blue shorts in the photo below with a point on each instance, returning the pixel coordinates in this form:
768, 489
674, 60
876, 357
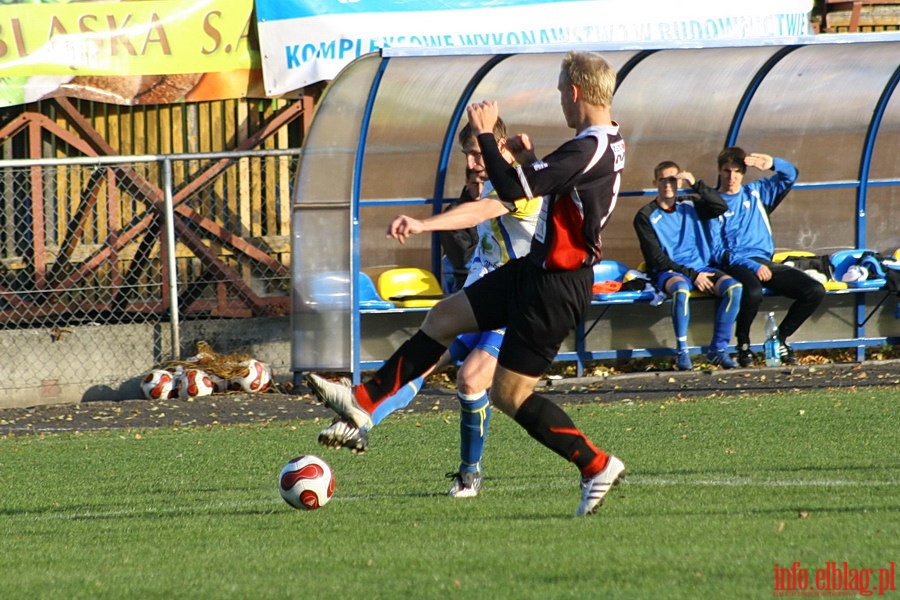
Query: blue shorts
489, 341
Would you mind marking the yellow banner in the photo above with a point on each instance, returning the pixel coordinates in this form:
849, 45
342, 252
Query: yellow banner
142, 37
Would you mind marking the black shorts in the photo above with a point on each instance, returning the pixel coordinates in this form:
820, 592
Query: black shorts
538, 308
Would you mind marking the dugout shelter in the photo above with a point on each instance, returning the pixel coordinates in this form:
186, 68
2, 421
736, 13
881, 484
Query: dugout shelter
383, 141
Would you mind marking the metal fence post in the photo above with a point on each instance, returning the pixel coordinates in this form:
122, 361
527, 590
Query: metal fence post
170, 258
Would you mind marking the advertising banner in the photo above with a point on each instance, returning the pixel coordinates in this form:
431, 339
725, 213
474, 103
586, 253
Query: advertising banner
304, 41
128, 52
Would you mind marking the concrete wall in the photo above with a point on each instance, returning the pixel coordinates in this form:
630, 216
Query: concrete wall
111, 359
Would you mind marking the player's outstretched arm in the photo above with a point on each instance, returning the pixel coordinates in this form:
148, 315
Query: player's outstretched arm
404, 226
461, 216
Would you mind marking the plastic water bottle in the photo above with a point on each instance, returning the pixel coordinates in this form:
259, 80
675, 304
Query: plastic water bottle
773, 358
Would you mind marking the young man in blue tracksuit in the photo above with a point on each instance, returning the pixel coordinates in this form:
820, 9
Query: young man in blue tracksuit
747, 236
679, 252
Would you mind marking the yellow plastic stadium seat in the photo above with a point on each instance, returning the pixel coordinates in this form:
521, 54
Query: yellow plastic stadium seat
410, 287
779, 257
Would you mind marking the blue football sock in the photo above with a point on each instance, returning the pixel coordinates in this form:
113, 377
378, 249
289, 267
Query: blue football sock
400, 399
726, 313
475, 414
681, 312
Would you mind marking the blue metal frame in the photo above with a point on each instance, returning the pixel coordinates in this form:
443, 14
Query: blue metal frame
744, 104
865, 163
355, 328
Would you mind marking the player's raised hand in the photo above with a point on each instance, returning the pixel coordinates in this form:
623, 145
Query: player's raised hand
763, 162
483, 116
522, 148
686, 179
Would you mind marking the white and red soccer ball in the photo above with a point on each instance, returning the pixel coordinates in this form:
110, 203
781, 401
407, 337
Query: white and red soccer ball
306, 482
257, 379
194, 383
159, 384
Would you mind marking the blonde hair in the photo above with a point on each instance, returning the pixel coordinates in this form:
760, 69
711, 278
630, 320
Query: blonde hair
593, 74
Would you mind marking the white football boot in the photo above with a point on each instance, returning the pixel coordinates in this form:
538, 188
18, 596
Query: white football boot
339, 398
466, 484
594, 489
342, 434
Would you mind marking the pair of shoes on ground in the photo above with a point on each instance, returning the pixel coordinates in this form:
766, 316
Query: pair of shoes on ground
746, 358
466, 484
717, 358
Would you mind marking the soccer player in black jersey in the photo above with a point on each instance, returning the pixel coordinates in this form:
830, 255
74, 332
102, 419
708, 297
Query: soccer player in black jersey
540, 297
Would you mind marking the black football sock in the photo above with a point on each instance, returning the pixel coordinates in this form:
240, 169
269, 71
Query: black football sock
551, 426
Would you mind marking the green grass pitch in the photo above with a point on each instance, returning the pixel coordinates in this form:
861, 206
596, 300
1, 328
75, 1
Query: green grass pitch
717, 493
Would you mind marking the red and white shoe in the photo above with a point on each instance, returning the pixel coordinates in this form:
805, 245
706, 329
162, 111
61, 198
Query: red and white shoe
594, 489
339, 398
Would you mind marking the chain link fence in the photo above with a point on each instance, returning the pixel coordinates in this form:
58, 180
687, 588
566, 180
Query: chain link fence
111, 265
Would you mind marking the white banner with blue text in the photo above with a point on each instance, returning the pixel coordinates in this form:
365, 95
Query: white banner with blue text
305, 41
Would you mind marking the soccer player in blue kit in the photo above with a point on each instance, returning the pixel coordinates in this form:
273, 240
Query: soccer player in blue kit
501, 235
538, 298
680, 251
747, 235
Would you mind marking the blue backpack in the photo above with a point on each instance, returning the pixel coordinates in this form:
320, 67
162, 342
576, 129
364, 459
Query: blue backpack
872, 261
